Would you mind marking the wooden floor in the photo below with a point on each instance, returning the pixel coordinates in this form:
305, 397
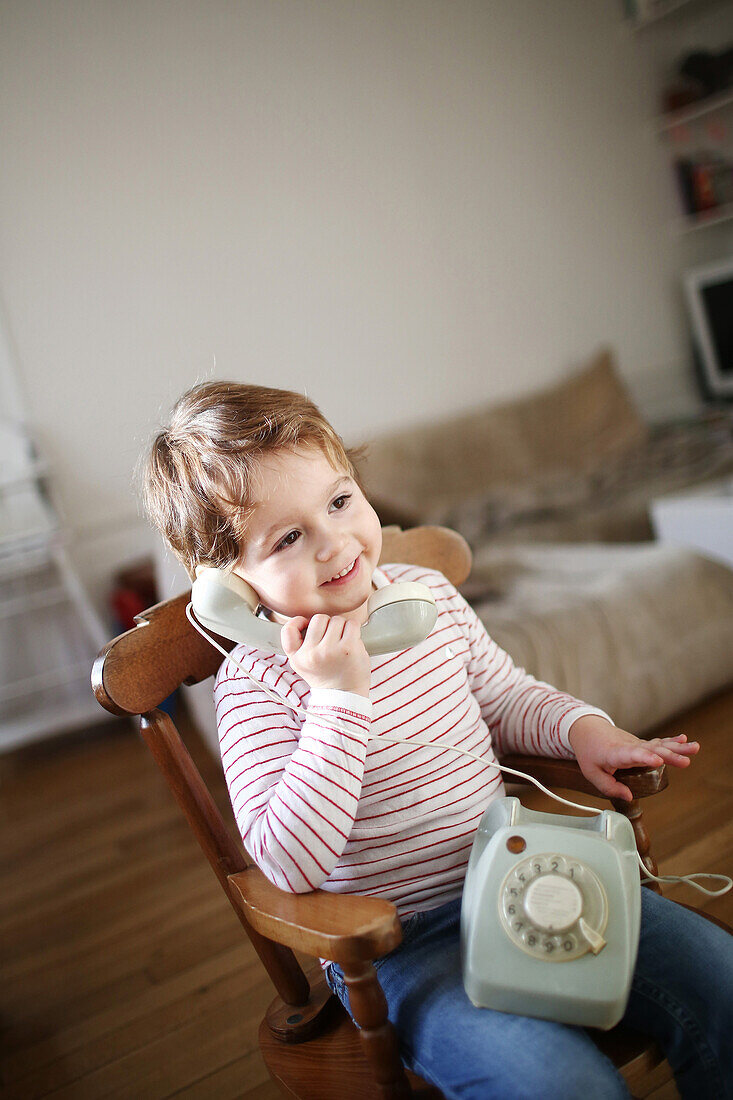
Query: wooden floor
123, 971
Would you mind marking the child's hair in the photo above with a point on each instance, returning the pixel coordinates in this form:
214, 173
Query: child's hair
197, 477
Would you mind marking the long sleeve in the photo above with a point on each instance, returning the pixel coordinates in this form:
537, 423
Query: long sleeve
524, 715
294, 783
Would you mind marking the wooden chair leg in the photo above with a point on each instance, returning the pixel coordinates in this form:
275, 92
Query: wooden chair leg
378, 1036
632, 810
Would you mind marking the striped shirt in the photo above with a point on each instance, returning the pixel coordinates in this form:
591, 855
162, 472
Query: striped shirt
321, 802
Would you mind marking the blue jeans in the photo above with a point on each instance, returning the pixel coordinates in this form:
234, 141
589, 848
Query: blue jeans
682, 995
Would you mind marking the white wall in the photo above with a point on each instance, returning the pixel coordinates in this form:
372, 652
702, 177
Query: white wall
405, 208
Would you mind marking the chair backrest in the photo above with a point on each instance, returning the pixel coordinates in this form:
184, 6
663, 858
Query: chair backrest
136, 671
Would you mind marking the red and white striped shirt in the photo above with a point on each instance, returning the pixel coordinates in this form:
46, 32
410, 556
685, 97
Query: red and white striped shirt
321, 802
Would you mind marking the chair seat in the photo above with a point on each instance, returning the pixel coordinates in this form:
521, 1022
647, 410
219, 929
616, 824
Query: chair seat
329, 1066
636, 1057
324, 1063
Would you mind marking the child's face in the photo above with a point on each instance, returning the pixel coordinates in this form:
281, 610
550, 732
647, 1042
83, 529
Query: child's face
309, 524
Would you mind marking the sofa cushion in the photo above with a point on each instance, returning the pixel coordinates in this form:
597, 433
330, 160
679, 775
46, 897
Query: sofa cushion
642, 632
574, 425
606, 504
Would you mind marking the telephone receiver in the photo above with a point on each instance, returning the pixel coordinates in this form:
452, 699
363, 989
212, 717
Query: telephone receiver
400, 615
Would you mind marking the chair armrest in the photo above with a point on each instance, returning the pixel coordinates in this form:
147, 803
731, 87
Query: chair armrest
345, 928
352, 928
567, 775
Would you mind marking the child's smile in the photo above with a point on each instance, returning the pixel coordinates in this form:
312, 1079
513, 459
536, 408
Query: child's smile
313, 540
345, 575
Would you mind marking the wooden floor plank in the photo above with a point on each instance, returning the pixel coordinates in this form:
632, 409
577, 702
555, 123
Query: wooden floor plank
167, 1063
125, 925
113, 959
97, 1054
200, 984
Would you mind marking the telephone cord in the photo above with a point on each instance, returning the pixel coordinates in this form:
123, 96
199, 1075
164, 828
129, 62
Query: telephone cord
648, 876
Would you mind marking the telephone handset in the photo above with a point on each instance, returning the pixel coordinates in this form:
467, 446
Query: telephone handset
400, 615
551, 915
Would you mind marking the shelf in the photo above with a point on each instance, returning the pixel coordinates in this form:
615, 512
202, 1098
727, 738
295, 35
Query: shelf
50, 630
19, 565
691, 222
694, 110
77, 672
30, 472
26, 519
33, 601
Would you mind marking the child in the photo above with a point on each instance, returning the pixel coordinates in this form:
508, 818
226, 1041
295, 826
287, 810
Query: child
256, 480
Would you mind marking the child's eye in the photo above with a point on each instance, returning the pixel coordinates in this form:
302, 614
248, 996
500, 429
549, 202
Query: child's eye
341, 501
290, 538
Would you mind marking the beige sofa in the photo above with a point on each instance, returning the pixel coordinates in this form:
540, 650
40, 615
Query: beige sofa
552, 492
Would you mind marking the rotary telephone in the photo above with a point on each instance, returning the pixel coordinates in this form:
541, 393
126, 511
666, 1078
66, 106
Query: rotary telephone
400, 615
551, 915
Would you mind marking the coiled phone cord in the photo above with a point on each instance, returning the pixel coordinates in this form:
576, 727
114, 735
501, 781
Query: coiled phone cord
648, 876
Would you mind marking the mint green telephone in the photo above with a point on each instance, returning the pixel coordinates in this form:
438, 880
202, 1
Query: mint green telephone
551, 915
400, 615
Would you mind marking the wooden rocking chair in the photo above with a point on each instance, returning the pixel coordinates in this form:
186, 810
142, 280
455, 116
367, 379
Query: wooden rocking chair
308, 1042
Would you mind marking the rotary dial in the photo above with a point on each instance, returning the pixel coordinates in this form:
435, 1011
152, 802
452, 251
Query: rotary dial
553, 907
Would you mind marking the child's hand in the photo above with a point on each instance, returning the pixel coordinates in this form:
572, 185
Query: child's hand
328, 653
601, 748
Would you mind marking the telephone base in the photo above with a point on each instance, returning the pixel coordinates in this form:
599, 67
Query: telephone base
551, 914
